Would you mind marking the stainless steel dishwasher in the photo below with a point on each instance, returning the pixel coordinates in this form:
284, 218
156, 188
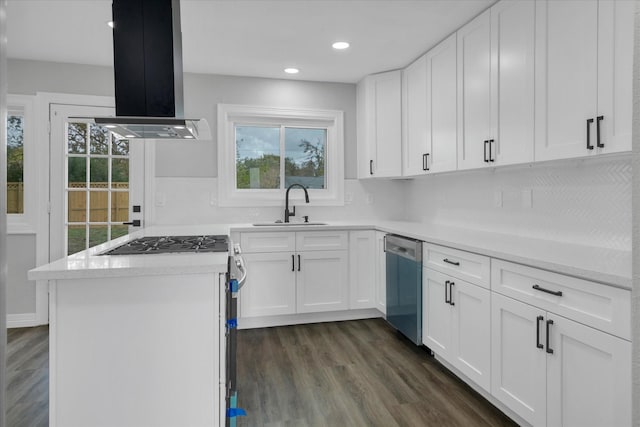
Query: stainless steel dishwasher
404, 285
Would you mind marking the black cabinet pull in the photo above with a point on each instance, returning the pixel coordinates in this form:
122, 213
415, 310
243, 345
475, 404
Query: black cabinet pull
446, 285
451, 262
293, 263
598, 120
298, 262
538, 319
589, 146
486, 141
134, 223
491, 159
556, 293
549, 323
451, 293
370, 167
425, 162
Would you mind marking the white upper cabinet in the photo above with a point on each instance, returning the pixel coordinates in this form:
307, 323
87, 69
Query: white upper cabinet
474, 92
583, 77
379, 125
512, 85
414, 118
496, 86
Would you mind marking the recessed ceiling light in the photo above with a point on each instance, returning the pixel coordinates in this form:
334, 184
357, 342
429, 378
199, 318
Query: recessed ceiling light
110, 23
340, 45
291, 70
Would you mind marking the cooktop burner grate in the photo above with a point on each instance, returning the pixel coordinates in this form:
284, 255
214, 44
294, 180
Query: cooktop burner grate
172, 244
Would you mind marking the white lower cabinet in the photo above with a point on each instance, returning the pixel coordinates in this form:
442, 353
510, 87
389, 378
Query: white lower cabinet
555, 372
456, 324
275, 291
322, 281
362, 273
381, 273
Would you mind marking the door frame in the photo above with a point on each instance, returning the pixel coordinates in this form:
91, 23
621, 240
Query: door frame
43, 102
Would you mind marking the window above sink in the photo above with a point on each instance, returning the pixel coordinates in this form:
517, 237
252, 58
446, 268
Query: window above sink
263, 150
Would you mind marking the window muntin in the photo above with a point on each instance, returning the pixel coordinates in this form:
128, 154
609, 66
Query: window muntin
97, 187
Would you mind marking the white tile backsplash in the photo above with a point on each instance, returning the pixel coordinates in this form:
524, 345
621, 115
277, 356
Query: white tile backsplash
194, 201
585, 201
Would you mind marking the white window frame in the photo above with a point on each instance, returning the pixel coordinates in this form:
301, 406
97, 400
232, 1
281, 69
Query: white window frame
230, 115
25, 223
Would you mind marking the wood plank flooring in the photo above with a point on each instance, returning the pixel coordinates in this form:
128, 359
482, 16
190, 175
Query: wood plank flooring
357, 373
347, 374
28, 377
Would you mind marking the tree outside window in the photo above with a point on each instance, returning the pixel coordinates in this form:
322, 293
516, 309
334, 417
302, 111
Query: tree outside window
15, 164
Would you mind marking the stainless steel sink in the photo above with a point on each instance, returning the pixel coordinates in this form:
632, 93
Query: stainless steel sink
286, 224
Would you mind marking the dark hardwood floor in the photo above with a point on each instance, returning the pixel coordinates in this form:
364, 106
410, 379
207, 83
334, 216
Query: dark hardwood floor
28, 377
347, 374
356, 373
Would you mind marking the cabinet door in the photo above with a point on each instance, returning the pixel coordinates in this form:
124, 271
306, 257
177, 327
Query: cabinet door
322, 283
414, 116
388, 126
588, 376
436, 313
518, 366
566, 77
512, 71
442, 106
365, 126
270, 288
362, 272
474, 94
381, 273
615, 74
471, 322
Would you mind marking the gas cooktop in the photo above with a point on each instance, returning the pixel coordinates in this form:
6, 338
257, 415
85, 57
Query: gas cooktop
172, 244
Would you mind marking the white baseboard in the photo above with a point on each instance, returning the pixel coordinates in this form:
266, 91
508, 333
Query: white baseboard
22, 320
297, 319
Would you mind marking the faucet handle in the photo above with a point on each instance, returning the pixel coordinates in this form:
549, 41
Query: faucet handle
306, 218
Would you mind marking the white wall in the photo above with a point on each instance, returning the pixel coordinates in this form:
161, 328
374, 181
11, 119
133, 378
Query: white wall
21, 292
578, 201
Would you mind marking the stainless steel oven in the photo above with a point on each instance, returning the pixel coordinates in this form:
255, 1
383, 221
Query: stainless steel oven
236, 276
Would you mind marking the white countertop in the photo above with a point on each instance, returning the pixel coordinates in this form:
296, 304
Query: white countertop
608, 266
90, 264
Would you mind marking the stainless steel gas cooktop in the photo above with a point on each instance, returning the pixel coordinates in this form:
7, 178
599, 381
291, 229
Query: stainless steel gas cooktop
172, 244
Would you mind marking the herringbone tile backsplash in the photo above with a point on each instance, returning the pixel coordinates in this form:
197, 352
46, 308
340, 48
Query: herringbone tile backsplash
580, 201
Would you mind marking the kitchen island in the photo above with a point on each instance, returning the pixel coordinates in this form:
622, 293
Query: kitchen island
137, 340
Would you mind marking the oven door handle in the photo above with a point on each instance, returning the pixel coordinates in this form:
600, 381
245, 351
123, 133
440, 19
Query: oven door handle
242, 269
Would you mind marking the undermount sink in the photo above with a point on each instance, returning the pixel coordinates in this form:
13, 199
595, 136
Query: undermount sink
286, 224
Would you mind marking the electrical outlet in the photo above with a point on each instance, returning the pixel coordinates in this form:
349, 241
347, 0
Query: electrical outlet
497, 199
348, 198
369, 198
213, 199
161, 200
527, 198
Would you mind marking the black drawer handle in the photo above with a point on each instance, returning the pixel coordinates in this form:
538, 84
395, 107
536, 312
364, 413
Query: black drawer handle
451, 293
451, 262
549, 349
293, 263
589, 146
538, 319
598, 120
486, 141
556, 293
299, 262
425, 162
446, 298
370, 167
491, 159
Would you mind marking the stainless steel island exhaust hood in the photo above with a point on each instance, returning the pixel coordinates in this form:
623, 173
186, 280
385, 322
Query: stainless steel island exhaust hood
147, 50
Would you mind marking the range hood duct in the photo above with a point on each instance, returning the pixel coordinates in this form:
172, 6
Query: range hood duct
147, 50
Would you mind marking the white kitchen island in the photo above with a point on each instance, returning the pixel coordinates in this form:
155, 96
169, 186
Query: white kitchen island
137, 340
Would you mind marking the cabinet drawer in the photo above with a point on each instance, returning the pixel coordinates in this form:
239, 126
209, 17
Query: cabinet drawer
322, 240
471, 267
268, 242
600, 306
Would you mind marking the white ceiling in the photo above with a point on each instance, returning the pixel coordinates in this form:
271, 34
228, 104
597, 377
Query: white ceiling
252, 37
